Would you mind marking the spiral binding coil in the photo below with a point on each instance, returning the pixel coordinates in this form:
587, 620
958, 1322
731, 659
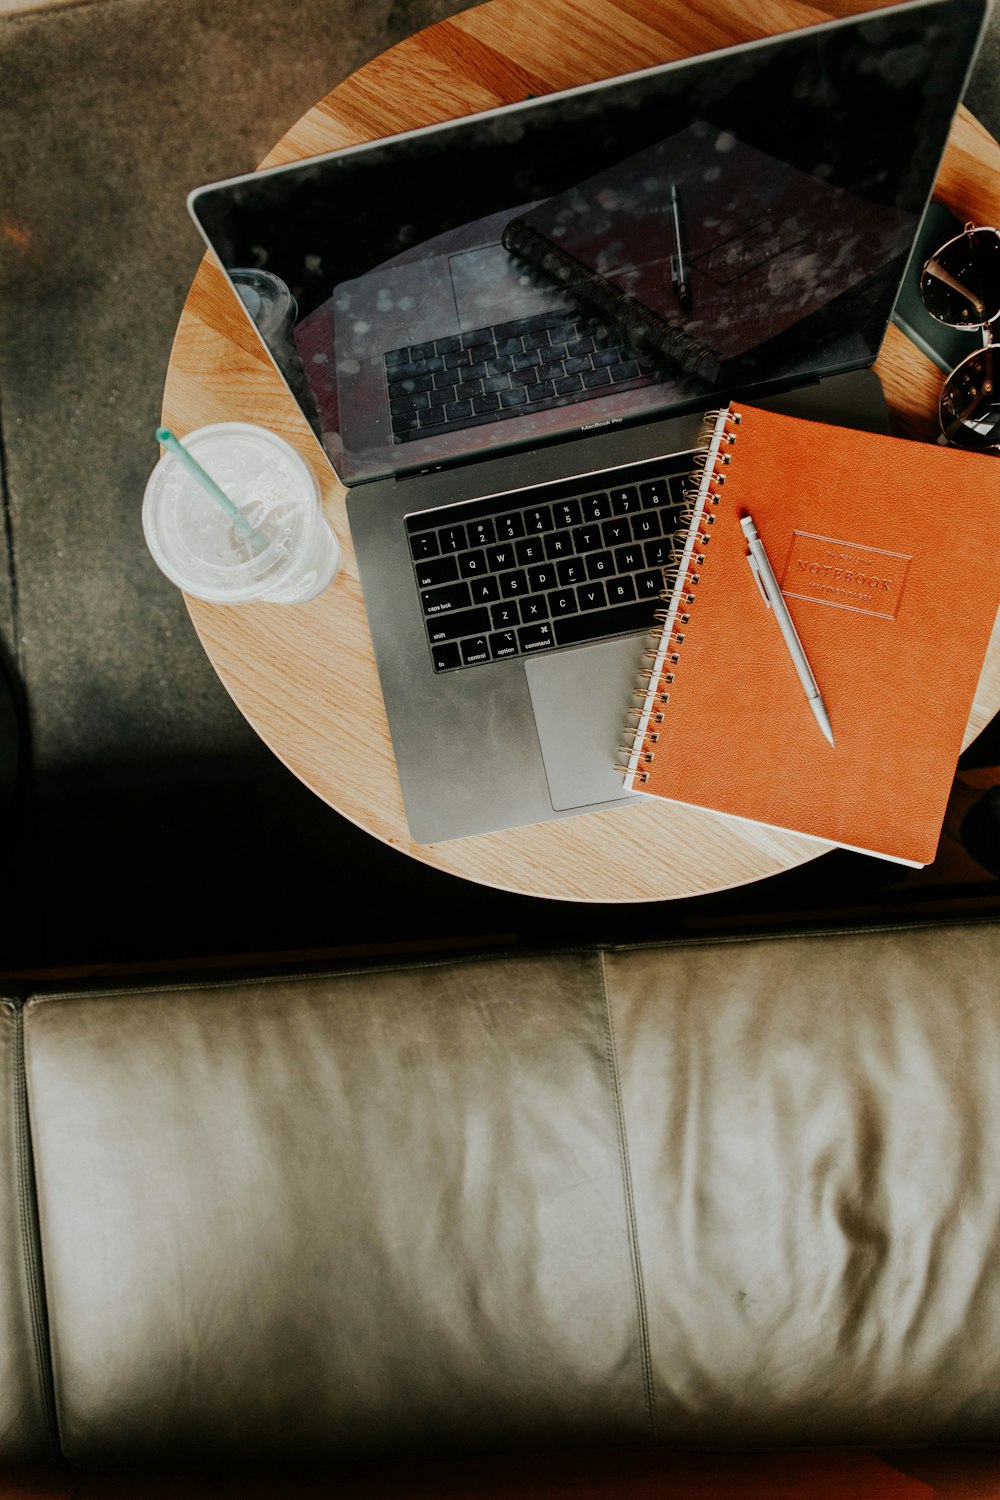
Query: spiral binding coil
681, 576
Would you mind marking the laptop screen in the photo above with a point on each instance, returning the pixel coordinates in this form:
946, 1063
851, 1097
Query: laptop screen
735, 223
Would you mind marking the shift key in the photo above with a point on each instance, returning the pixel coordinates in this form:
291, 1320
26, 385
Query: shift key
450, 625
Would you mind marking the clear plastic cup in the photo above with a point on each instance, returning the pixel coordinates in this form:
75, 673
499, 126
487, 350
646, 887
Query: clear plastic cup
290, 554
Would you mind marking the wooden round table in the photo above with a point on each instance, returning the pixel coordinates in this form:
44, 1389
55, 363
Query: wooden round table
305, 676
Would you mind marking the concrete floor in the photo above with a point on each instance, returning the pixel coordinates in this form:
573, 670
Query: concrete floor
149, 822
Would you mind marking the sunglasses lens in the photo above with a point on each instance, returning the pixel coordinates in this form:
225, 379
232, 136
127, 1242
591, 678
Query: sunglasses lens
960, 285
970, 407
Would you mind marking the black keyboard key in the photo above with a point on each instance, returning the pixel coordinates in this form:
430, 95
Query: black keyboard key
448, 344
534, 609
655, 494
513, 584
424, 544
563, 602
516, 396
509, 526
484, 590
404, 404
595, 378
494, 383
531, 550
535, 638
567, 513
437, 570
600, 565
481, 532
625, 500
650, 585
538, 519
472, 564
404, 424
620, 590
558, 544
445, 656
646, 525
502, 556
591, 596
627, 370
458, 409
587, 538
629, 560
452, 539
542, 391
503, 644
573, 570
567, 384
474, 651
658, 552
432, 418
411, 387
450, 596
396, 357
625, 619
482, 405
451, 626
504, 615
540, 579
596, 507
616, 532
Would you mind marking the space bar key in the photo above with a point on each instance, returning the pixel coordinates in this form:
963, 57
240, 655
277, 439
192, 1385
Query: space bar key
591, 624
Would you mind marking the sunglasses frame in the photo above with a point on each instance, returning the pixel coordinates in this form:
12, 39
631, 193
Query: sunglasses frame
984, 326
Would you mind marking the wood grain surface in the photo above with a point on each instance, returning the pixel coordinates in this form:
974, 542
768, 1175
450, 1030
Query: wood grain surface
304, 676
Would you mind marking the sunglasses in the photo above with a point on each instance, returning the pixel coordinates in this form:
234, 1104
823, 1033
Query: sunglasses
960, 286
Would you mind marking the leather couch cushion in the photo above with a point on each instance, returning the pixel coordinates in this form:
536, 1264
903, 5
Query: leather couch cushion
720, 1193
814, 1140
309, 1218
25, 1425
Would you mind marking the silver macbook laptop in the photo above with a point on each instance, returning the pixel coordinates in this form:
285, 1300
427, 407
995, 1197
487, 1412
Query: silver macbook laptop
504, 331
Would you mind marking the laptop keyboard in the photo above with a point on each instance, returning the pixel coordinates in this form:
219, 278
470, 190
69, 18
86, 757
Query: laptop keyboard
530, 364
556, 565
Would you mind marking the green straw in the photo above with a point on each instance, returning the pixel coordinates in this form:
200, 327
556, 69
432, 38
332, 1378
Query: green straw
242, 526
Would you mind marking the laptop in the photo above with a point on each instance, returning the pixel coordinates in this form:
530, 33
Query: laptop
505, 331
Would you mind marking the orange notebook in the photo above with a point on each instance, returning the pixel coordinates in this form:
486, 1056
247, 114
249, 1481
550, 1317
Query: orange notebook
887, 553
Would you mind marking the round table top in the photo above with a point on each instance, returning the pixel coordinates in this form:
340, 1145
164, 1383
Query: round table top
304, 676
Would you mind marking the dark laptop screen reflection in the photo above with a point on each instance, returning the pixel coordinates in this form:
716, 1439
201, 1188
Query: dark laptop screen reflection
755, 210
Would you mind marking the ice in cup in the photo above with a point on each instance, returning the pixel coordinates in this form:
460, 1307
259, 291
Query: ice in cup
280, 550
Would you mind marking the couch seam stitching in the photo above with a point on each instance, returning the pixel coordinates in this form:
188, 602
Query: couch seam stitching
633, 1233
30, 1247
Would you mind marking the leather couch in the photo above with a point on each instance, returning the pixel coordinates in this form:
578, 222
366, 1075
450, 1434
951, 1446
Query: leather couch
704, 1195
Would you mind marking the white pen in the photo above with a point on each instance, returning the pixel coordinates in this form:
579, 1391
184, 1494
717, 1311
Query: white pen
773, 598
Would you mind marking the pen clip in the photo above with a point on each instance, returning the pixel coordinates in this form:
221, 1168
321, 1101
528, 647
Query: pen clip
760, 582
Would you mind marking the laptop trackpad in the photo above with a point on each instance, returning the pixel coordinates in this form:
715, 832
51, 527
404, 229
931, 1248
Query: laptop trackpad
580, 700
